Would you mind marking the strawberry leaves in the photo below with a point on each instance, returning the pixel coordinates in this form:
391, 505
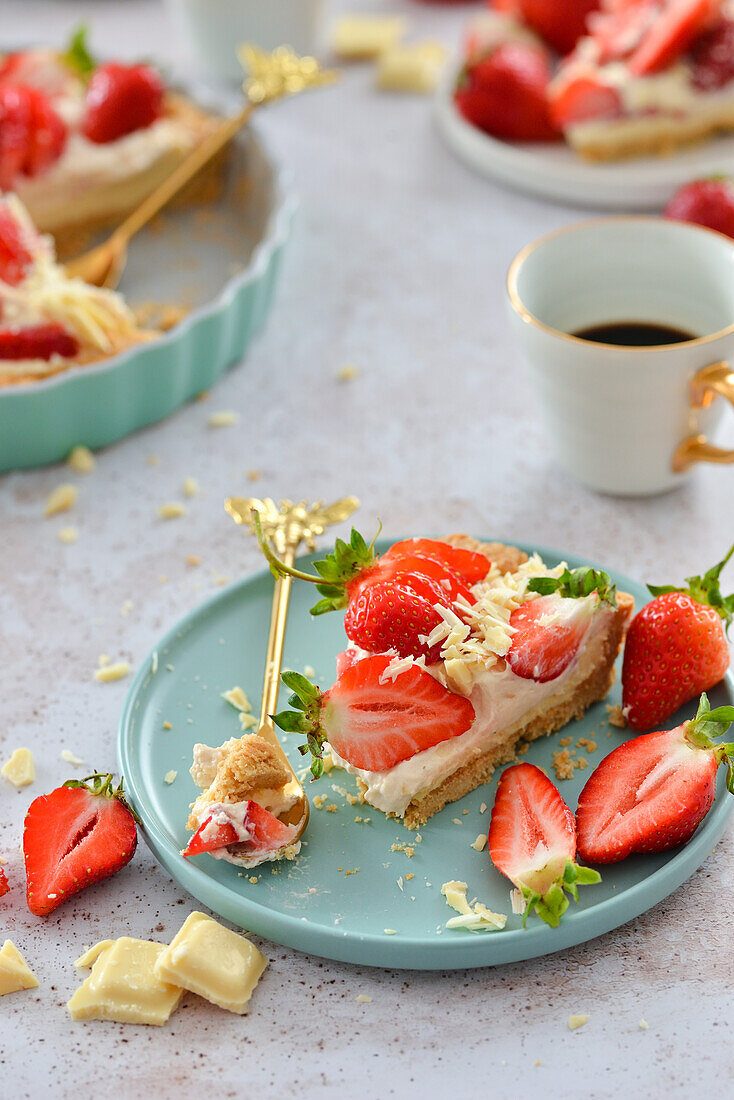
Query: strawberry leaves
704, 590
713, 723
551, 906
577, 583
336, 570
77, 56
305, 717
102, 784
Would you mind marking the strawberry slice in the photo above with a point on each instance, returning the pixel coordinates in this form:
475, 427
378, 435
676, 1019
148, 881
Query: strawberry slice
79, 834
32, 135
265, 833
617, 33
121, 99
4, 884
582, 99
209, 837
651, 793
37, 342
346, 659
670, 35
545, 639
398, 614
14, 256
371, 722
532, 841
559, 22
470, 565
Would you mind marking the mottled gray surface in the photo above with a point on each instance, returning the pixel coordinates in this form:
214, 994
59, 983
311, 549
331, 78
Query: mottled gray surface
397, 266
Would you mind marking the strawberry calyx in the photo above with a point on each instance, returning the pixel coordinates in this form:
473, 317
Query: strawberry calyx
577, 583
76, 56
705, 590
334, 573
101, 784
713, 723
551, 905
305, 717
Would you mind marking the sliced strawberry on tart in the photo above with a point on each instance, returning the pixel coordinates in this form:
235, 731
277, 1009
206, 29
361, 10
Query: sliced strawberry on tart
650, 76
423, 716
48, 322
84, 143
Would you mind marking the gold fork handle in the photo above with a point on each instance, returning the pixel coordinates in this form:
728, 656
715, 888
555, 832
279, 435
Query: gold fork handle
276, 641
194, 162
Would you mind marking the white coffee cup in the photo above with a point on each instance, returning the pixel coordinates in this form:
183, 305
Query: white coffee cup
628, 420
213, 29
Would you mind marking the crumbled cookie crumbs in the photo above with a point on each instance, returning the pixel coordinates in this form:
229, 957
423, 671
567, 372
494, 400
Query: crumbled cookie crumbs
61, 499
170, 777
563, 763
465, 812
67, 535
331, 808
254, 475
126, 608
224, 419
320, 801
409, 877
193, 559
81, 460
172, 509
456, 821
153, 460
565, 741
522, 748
347, 373
480, 843
582, 763
167, 726
586, 743
107, 673
254, 879
354, 872
190, 487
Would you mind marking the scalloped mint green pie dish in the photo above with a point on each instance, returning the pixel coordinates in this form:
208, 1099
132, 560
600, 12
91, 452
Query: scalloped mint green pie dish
222, 260
349, 896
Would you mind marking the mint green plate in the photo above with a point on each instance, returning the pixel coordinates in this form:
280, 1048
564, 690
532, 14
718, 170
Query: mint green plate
221, 260
313, 904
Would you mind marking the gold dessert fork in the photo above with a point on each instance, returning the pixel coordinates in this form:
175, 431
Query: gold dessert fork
285, 527
270, 76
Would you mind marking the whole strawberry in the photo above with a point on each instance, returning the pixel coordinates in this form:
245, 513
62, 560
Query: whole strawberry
121, 99
79, 834
505, 93
708, 202
676, 648
651, 793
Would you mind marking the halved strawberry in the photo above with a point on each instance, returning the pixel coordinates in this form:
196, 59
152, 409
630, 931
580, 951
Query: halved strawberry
505, 93
4, 884
14, 256
121, 99
532, 841
346, 659
79, 834
265, 833
651, 793
372, 720
672, 32
470, 565
396, 614
581, 99
32, 135
37, 342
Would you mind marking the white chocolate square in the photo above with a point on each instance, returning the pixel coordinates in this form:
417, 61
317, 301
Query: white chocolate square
210, 960
15, 974
363, 36
411, 68
123, 985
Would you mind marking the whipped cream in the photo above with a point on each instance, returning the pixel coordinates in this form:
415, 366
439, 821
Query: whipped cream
502, 701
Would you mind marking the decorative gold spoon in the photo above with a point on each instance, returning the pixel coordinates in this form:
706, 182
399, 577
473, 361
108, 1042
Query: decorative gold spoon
270, 76
285, 527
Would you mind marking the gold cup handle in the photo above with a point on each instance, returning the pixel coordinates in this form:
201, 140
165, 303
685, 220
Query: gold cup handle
715, 380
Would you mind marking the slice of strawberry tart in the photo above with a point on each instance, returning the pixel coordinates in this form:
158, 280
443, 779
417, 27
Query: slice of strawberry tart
49, 322
459, 651
650, 76
245, 788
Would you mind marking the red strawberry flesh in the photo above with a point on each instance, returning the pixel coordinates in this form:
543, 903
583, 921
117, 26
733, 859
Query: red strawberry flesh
470, 565
121, 99
4, 885
375, 723
14, 256
708, 202
37, 342
545, 639
505, 94
670, 35
266, 832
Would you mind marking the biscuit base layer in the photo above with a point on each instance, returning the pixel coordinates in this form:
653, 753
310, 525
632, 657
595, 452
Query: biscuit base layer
577, 701
621, 139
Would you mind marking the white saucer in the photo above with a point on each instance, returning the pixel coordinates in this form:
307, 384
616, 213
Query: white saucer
554, 171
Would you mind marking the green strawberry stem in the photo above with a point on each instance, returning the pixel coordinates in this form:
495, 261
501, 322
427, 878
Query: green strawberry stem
333, 573
77, 56
705, 590
713, 723
304, 718
576, 583
101, 784
551, 906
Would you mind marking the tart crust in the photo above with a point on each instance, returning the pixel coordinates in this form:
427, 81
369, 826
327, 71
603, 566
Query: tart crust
649, 136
